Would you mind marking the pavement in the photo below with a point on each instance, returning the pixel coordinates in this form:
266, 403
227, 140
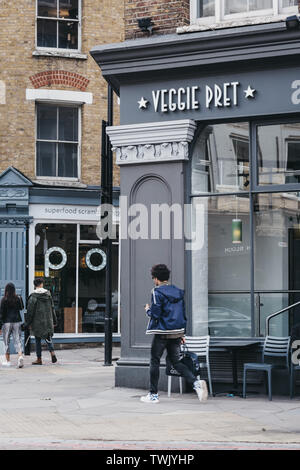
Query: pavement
74, 404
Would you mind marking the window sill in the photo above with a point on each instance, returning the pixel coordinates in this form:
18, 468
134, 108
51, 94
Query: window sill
57, 182
54, 53
202, 26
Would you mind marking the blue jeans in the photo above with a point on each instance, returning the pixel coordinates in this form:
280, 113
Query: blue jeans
38, 346
159, 344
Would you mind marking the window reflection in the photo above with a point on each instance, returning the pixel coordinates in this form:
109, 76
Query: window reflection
219, 267
279, 154
220, 161
241, 6
206, 8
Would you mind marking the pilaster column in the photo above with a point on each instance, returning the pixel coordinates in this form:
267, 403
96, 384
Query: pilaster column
152, 173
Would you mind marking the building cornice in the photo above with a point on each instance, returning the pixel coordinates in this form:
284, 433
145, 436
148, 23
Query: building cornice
160, 54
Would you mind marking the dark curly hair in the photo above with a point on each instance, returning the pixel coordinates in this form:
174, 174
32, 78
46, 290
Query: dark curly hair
161, 272
38, 281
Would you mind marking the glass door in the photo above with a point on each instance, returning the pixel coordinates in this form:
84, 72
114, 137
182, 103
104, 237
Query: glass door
91, 282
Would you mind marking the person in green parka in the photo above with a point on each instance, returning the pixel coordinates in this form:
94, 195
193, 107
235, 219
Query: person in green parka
41, 319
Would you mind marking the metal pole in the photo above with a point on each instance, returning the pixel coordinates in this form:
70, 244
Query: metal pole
108, 280
27, 330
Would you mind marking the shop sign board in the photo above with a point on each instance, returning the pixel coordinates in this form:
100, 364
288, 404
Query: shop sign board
219, 96
68, 212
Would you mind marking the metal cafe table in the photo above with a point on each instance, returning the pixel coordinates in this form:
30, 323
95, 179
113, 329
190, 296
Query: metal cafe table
234, 347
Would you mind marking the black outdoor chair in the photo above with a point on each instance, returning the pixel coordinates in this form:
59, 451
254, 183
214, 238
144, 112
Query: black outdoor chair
274, 347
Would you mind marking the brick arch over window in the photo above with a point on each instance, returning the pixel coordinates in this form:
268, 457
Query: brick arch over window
59, 77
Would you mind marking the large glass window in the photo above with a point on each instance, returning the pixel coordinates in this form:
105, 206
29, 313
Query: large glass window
276, 247
216, 11
221, 159
279, 154
247, 263
60, 282
57, 141
72, 262
58, 24
243, 6
220, 266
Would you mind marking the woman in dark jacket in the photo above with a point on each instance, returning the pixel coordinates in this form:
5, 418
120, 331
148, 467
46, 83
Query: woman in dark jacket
10, 319
41, 319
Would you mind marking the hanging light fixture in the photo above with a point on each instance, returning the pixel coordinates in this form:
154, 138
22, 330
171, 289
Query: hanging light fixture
236, 228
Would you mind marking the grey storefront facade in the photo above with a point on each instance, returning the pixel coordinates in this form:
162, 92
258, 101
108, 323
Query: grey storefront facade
210, 121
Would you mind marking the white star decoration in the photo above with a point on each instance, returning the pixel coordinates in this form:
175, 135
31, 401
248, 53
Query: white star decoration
249, 93
143, 103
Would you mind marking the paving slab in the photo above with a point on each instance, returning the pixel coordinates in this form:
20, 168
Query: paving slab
75, 402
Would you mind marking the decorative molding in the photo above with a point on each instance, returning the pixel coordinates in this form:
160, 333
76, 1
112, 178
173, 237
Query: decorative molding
15, 220
13, 193
77, 97
153, 142
12, 177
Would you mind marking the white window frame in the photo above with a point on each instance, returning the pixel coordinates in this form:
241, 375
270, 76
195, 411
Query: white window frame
45, 49
60, 178
277, 11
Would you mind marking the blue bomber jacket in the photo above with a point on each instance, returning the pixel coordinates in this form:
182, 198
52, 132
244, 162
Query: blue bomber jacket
167, 311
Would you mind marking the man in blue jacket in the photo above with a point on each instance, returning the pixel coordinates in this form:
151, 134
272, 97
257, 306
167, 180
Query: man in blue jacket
167, 322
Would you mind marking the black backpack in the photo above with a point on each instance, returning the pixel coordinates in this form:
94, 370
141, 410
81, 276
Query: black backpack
189, 359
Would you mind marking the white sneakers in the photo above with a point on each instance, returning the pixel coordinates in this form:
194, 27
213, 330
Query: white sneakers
20, 362
5, 363
150, 398
200, 388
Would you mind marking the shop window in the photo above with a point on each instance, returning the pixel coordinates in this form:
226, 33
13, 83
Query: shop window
60, 282
220, 267
74, 270
57, 145
278, 150
58, 24
220, 161
277, 251
216, 11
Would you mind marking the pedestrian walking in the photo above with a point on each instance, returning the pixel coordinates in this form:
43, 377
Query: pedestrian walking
11, 320
41, 319
167, 322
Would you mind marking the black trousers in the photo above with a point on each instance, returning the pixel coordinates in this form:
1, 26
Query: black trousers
160, 343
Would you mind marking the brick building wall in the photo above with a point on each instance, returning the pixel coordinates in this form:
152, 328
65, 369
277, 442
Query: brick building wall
102, 22
167, 15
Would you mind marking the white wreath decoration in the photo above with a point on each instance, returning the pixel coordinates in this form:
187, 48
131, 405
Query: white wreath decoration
88, 259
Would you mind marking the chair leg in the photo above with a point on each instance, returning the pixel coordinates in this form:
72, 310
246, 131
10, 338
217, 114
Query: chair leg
270, 384
244, 382
209, 381
169, 385
180, 385
292, 382
266, 377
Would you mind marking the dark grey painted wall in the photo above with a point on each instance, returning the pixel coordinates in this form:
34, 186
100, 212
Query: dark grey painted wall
146, 184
